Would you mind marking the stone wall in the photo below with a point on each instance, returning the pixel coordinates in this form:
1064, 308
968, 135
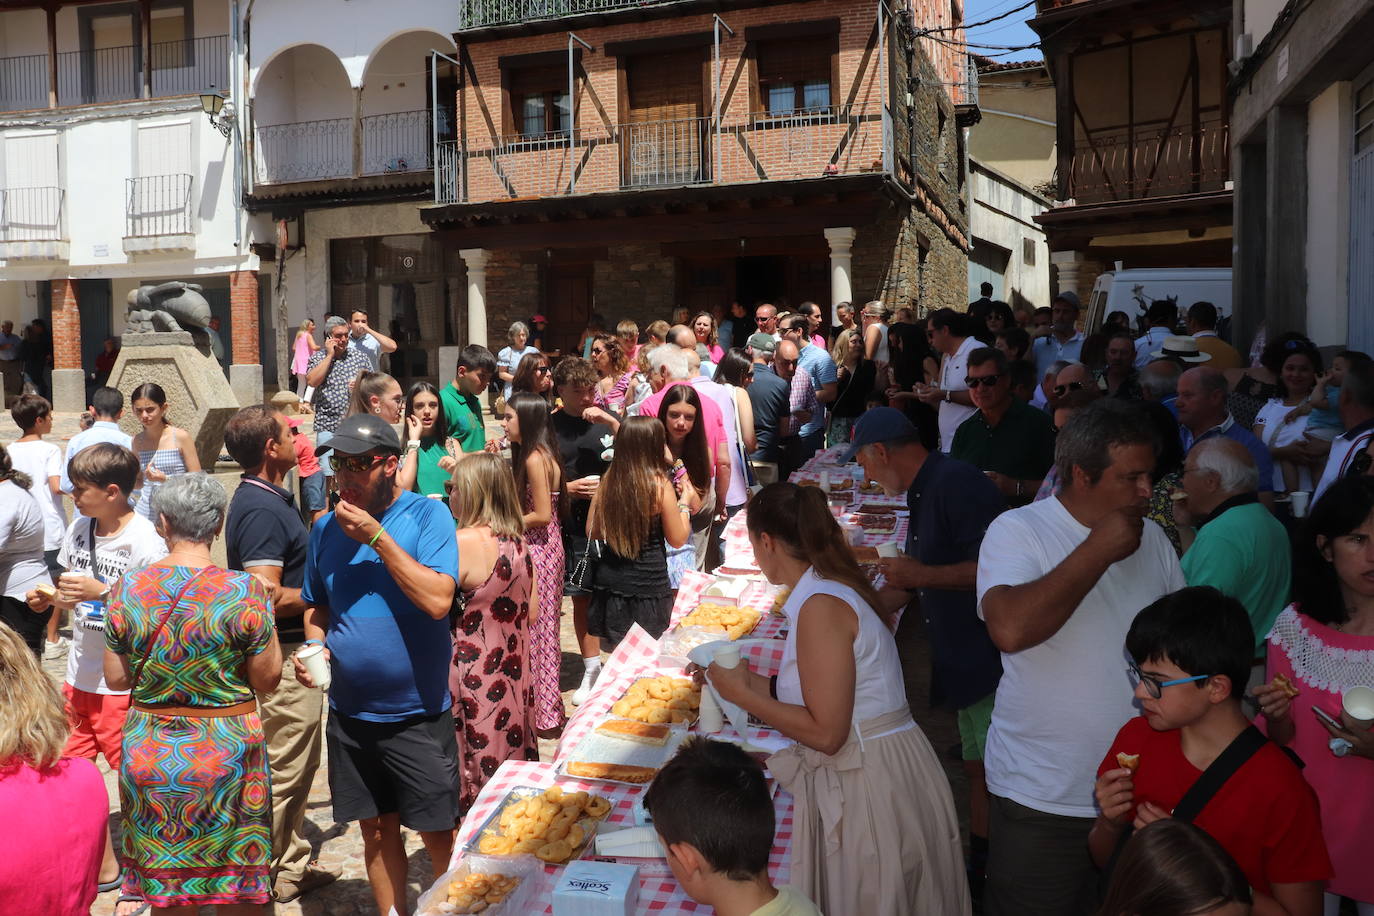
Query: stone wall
636, 282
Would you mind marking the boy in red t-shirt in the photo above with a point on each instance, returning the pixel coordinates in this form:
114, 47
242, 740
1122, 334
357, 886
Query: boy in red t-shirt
1192, 653
310, 473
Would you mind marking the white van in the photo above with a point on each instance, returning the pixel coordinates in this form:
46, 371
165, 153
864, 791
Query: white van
1132, 291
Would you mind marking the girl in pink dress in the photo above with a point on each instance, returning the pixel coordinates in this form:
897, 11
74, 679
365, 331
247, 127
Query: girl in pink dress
539, 477
489, 679
1324, 643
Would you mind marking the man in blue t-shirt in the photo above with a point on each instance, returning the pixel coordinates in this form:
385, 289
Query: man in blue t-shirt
380, 576
952, 503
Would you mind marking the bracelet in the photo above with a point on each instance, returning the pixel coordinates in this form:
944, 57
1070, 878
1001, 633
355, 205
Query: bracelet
313, 642
380, 531
946, 395
412, 445
683, 507
1018, 488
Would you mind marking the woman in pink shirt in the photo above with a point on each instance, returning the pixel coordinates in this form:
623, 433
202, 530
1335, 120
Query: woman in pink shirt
54, 808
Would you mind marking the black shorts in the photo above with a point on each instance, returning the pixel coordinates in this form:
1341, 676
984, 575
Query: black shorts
408, 768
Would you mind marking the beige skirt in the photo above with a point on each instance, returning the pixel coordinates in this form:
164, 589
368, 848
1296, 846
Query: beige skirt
874, 830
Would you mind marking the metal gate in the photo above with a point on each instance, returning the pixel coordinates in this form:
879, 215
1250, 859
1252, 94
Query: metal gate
1361, 302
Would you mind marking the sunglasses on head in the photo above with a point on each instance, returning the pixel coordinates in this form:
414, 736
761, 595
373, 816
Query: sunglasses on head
354, 463
973, 381
1062, 390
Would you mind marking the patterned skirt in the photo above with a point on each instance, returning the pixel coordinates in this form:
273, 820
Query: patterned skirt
546, 656
197, 805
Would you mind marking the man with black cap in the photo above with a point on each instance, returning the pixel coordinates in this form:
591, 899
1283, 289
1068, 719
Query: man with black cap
380, 577
952, 503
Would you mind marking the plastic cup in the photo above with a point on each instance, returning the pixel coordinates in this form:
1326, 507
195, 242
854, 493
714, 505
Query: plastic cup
1358, 703
316, 665
1299, 501
889, 550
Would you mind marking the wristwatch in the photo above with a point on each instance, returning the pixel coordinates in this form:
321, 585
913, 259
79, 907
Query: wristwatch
946, 395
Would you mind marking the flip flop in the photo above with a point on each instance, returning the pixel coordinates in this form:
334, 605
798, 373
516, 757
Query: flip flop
111, 885
133, 898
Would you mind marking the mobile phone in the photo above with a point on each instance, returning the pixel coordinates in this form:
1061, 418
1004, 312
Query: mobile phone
1326, 717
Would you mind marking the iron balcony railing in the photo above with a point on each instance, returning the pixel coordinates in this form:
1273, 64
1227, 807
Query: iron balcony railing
965, 91
31, 214
159, 205
477, 14
1139, 163
397, 142
813, 143
115, 74
305, 151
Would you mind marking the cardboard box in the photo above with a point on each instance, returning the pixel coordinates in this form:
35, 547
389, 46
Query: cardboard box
596, 889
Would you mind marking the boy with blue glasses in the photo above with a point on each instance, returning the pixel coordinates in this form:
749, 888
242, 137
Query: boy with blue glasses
1194, 755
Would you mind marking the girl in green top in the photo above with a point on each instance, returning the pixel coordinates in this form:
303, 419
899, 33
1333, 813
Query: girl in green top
428, 459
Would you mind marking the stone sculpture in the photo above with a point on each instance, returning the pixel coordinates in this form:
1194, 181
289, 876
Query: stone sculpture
174, 306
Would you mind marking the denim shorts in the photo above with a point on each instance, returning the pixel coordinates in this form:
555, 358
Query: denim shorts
312, 491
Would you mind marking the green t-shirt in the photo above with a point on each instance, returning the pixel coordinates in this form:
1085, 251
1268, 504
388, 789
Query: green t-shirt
463, 414
1021, 446
1244, 552
429, 477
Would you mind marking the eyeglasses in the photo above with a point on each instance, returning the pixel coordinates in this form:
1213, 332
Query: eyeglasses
973, 381
542, 370
1061, 390
355, 463
765, 320
448, 488
598, 351
1155, 687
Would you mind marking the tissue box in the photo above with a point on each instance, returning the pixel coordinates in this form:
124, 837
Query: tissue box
596, 889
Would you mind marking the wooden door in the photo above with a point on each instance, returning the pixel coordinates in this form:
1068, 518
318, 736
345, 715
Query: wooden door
567, 305
664, 140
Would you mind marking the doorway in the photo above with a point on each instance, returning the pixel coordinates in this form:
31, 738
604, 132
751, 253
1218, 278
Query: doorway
760, 279
567, 305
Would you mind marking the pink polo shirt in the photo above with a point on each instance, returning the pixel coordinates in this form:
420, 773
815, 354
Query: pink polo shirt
715, 425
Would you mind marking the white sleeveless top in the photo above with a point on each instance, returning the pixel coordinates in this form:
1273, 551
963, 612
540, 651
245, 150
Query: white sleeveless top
882, 354
878, 685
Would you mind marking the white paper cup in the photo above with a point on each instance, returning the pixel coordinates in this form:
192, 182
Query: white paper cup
889, 550
1358, 703
1299, 501
727, 656
316, 665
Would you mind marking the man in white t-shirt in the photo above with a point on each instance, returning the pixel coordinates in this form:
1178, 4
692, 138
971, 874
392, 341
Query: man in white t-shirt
1059, 582
949, 335
42, 461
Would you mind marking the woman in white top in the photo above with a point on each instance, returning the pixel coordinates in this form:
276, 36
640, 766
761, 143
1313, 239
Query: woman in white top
875, 830
874, 320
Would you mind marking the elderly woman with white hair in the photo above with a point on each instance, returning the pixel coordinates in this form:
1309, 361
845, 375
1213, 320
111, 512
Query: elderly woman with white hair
194, 643
508, 360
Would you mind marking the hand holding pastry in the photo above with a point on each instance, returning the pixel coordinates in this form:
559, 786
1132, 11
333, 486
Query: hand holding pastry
1115, 792
1276, 698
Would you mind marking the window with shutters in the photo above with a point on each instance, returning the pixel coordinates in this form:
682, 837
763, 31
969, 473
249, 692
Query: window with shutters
795, 75
538, 103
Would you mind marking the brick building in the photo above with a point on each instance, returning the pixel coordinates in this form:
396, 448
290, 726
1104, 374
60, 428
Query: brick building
627, 158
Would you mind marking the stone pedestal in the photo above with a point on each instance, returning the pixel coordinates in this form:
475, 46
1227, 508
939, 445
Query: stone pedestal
246, 383
69, 390
199, 399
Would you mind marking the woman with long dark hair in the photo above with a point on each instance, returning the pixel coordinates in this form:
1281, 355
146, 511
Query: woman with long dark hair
376, 393
428, 459
163, 450
630, 584
615, 376
1172, 868
539, 483
875, 830
693, 474
534, 375
1324, 644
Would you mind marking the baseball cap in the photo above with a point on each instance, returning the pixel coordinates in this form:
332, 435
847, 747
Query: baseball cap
762, 343
1070, 297
360, 434
537, 318
880, 424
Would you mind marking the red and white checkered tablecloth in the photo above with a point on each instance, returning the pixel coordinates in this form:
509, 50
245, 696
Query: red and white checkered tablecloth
758, 595
659, 891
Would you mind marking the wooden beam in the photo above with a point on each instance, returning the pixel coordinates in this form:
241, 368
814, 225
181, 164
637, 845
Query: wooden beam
145, 15
51, 11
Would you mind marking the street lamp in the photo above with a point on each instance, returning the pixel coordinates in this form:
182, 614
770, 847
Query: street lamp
218, 110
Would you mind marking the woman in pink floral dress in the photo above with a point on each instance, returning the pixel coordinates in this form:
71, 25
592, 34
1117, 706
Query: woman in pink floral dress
539, 477
491, 693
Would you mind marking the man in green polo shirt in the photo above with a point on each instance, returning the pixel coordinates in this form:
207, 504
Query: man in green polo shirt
462, 409
1231, 541
1011, 442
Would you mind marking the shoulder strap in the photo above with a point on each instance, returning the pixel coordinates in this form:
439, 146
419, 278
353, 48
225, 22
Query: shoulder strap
152, 643
1245, 746
95, 572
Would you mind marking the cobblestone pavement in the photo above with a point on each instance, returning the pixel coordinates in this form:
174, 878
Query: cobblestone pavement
339, 846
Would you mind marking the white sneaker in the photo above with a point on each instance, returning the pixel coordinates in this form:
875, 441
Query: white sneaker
584, 690
56, 649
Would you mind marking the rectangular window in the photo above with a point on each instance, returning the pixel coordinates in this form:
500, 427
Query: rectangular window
538, 103
794, 75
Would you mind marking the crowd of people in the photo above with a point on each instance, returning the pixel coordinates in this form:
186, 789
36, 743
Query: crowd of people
1142, 562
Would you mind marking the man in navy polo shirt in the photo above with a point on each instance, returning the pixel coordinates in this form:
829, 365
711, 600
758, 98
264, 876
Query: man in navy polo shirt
952, 503
1202, 414
264, 535
380, 577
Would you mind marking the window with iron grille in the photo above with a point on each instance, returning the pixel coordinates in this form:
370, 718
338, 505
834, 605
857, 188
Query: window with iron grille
795, 75
538, 103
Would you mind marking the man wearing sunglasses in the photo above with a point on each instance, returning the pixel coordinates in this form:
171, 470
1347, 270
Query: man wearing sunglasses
380, 576
766, 317
1011, 442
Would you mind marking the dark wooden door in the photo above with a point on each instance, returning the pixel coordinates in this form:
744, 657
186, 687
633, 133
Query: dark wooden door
567, 305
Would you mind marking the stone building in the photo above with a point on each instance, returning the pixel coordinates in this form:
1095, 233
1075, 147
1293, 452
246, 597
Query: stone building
625, 158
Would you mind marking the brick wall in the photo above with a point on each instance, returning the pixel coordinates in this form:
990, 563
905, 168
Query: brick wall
66, 325
512, 294
635, 282
243, 311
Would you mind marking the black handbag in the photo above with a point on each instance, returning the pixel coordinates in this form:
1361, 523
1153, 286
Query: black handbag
584, 570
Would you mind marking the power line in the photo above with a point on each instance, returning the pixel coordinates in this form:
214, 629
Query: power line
973, 25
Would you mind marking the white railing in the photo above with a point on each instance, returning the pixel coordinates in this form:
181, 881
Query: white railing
31, 214
396, 142
159, 205
477, 14
306, 151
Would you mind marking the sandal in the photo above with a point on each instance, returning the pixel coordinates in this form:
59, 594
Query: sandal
132, 898
111, 885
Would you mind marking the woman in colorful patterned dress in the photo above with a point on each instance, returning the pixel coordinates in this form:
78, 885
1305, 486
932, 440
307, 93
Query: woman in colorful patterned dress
164, 451
193, 643
538, 471
616, 373
493, 707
